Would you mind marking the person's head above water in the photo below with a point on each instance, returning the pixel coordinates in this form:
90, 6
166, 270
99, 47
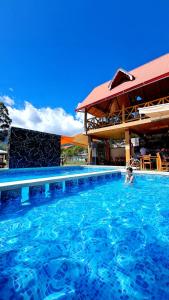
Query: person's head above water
129, 170
129, 175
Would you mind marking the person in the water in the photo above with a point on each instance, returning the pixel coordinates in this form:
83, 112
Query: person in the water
129, 175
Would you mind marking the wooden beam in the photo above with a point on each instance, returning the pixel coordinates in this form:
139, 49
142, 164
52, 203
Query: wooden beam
110, 105
127, 145
118, 102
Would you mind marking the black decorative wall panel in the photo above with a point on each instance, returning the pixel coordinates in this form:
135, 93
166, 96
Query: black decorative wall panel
29, 148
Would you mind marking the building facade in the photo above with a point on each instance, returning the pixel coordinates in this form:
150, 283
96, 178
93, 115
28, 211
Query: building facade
132, 104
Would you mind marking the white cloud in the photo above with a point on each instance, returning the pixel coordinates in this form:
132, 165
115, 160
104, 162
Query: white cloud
7, 100
46, 119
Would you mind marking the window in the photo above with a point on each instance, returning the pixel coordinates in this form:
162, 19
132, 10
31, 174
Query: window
138, 98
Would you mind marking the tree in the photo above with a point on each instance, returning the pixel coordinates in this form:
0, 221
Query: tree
73, 151
5, 121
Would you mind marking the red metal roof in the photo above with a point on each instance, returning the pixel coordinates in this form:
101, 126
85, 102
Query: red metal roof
145, 74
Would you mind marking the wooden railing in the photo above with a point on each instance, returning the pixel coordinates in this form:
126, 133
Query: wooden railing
129, 114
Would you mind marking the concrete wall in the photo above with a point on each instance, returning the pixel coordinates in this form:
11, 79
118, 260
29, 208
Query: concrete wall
29, 148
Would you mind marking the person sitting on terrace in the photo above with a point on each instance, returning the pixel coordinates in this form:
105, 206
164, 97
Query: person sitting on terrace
134, 162
143, 151
164, 154
129, 175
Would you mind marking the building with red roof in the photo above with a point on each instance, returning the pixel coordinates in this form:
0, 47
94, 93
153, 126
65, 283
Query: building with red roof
122, 107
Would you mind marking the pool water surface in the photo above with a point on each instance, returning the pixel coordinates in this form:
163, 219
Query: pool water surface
104, 240
9, 175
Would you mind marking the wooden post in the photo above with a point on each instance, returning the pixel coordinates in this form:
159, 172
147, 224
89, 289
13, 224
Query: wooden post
123, 113
127, 144
89, 149
85, 120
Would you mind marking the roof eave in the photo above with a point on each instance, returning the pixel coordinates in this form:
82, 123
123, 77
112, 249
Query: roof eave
124, 91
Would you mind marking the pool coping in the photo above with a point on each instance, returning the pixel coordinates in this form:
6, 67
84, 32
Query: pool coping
144, 172
41, 181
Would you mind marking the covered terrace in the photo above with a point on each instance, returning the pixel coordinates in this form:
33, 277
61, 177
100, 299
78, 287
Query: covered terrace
124, 107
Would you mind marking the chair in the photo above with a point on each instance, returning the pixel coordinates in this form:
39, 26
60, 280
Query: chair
162, 165
134, 163
146, 161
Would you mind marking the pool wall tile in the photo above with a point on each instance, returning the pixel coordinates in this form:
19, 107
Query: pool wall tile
81, 181
35, 191
108, 176
71, 185
100, 177
56, 187
11, 200
11, 195
92, 179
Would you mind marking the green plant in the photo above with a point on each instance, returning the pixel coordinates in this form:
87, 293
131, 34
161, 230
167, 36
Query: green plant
72, 151
5, 121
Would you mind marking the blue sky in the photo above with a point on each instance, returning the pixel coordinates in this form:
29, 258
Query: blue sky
52, 53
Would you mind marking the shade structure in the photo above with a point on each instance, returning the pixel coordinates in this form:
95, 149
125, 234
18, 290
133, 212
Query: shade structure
156, 111
66, 140
78, 139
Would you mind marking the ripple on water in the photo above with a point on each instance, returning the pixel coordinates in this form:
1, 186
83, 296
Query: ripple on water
110, 241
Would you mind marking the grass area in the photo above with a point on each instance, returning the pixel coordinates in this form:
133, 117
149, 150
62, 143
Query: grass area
77, 163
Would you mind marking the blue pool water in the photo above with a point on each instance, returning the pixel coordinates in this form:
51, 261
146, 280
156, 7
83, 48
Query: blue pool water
102, 240
22, 174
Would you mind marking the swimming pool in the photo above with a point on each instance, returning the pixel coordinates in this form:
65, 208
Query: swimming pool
98, 240
33, 173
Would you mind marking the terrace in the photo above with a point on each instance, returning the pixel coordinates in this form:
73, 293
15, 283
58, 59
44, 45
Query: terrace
128, 114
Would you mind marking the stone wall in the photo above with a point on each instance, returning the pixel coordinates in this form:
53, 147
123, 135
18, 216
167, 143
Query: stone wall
29, 148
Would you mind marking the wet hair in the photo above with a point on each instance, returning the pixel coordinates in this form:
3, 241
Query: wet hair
130, 169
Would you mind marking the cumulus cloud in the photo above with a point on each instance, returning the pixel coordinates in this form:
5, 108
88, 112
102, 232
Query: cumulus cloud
7, 100
46, 119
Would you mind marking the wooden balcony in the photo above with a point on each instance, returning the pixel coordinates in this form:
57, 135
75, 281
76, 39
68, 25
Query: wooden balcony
125, 115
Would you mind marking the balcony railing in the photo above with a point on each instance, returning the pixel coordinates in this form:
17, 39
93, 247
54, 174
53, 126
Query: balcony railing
129, 114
